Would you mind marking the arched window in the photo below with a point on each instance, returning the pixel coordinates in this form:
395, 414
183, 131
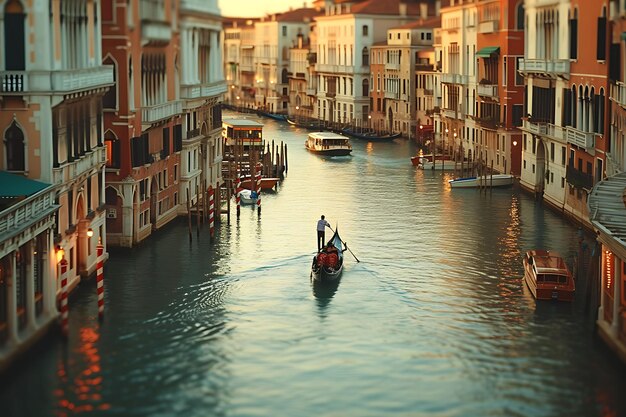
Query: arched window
519, 22
365, 57
14, 143
366, 87
14, 54
109, 101
113, 149
285, 76
110, 196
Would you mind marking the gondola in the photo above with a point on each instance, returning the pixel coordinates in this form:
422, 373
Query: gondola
327, 264
370, 135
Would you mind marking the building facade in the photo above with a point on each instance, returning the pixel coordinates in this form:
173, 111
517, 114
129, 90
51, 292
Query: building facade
52, 85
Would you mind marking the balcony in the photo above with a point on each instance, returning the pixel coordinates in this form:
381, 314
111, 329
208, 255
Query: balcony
59, 82
487, 122
159, 32
392, 66
488, 90
578, 178
311, 92
428, 92
557, 133
538, 128
424, 67
199, 6
72, 170
490, 26
25, 213
558, 67
447, 78
451, 114
618, 93
581, 139
392, 95
161, 111
335, 69
193, 91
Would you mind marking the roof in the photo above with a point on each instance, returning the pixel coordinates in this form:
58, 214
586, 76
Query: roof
298, 15
14, 188
241, 123
327, 135
430, 23
388, 7
607, 208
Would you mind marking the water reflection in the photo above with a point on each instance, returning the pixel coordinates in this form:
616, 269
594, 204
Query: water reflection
324, 291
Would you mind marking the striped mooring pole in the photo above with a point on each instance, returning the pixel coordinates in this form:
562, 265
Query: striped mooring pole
237, 193
211, 212
100, 278
64, 305
258, 189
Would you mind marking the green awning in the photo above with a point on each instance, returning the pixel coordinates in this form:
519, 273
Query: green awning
488, 51
623, 35
13, 186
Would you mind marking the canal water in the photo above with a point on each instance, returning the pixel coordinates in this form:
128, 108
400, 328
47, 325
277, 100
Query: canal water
433, 321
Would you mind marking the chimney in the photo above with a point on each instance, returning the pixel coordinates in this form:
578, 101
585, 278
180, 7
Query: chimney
424, 10
300, 40
402, 8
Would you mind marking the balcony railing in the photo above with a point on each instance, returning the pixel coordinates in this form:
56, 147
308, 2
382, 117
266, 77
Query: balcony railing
65, 81
156, 31
448, 78
161, 111
69, 170
392, 95
618, 93
424, 67
193, 91
539, 128
581, 139
488, 26
335, 69
543, 66
488, 90
578, 178
392, 66
428, 92
24, 213
310, 91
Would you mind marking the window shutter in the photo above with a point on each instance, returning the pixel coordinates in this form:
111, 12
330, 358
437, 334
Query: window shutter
573, 40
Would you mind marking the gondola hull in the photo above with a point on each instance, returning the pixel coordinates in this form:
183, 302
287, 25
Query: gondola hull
327, 273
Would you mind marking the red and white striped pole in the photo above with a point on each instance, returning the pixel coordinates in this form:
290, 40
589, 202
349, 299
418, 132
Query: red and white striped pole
100, 278
258, 188
238, 193
211, 212
64, 305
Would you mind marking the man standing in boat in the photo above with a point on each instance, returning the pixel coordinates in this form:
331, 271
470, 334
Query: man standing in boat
322, 224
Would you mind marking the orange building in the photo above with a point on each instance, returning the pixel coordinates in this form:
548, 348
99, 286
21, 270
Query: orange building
162, 120
500, 89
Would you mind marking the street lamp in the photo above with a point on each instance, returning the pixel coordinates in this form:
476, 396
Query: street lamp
297, 109
90, 232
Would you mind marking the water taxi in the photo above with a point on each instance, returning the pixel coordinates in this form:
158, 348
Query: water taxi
548, 276
242, 132
328, 144
495, 180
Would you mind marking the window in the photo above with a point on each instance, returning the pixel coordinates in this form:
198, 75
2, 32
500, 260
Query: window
15, 153
113, 150
573, 39
366, 87
519, 79
429, 36
518, 110
14, 37
109, 100
365, 30
284, 30
520, 16
365, 57
601, 44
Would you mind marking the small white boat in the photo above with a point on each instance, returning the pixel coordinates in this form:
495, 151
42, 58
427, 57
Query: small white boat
495, 180
247, 196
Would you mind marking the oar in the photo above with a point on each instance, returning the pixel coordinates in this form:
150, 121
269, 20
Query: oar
346, 245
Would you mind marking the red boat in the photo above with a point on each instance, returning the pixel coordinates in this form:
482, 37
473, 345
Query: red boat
548, 276
266, 183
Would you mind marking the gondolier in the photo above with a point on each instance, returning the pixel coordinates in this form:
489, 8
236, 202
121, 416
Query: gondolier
322, 224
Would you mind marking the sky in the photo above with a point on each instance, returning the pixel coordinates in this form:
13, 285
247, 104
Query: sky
257, 8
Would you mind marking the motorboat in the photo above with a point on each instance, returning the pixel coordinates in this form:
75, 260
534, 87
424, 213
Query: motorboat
495, 180
547, 276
